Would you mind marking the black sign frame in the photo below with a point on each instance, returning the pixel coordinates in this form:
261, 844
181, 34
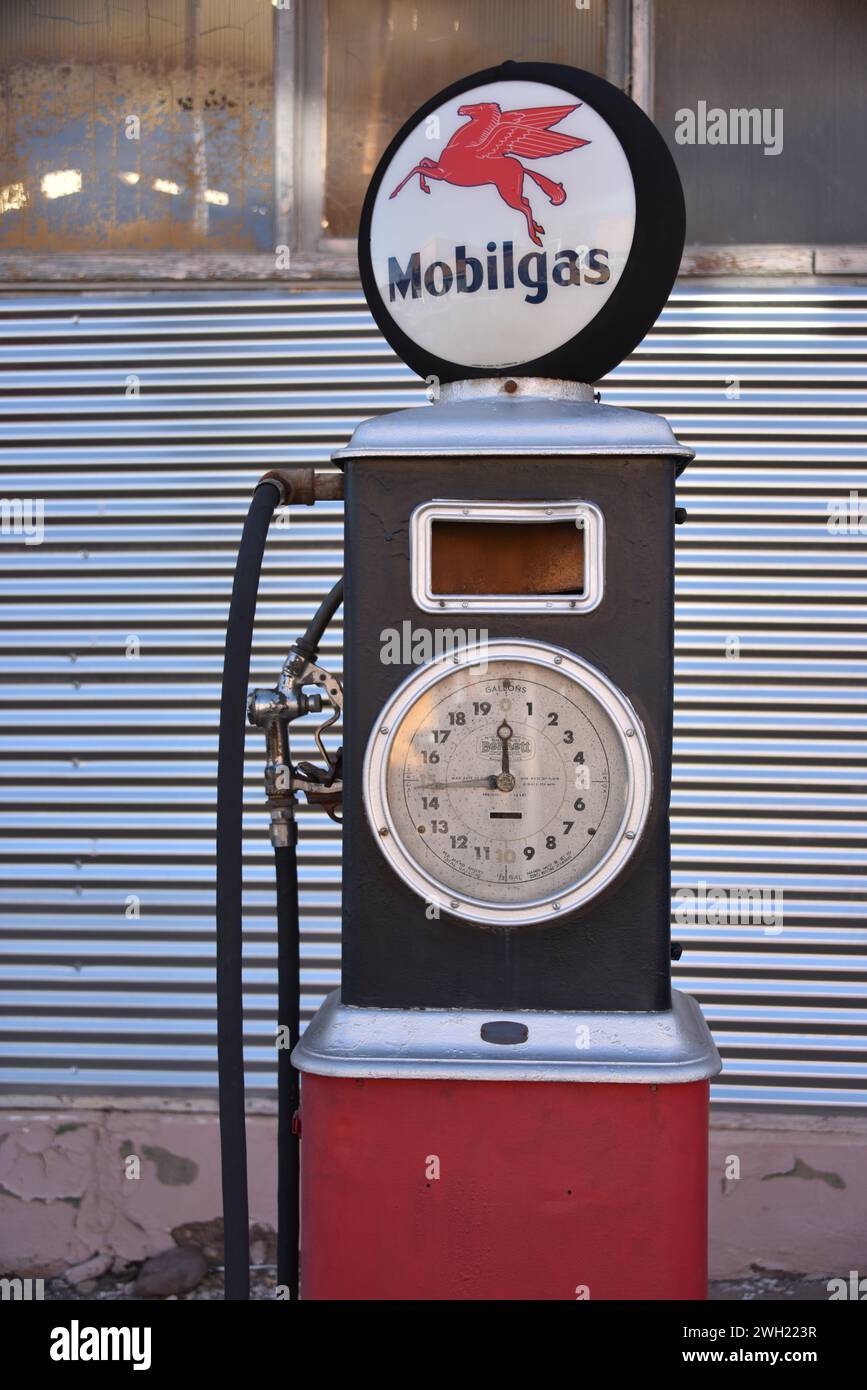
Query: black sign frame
652, 264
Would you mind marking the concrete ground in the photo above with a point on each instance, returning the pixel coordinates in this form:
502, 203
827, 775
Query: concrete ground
769, 1288
765, 1288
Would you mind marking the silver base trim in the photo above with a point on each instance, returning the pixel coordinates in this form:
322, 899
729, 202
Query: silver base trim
552, 388
674, 1046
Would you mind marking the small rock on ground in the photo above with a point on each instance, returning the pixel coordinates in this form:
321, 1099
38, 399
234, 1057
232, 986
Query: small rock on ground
170, 1273
88, 1269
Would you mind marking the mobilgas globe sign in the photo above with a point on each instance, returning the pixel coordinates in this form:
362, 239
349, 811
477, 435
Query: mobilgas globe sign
481, 256
528, 219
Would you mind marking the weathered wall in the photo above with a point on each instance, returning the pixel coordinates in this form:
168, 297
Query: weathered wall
799, 1204
113, 630
65, 1193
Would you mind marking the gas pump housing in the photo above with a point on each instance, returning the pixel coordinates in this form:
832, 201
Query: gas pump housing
495, 1112
536, 441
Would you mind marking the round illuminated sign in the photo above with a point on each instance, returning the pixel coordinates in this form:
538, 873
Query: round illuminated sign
528, 219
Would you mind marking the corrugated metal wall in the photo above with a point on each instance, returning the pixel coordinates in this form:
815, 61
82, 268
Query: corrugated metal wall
143, 421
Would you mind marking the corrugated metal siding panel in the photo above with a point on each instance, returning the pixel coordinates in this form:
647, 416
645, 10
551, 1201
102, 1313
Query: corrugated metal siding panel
109, 757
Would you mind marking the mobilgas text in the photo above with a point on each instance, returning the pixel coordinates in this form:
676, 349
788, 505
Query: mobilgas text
468, 274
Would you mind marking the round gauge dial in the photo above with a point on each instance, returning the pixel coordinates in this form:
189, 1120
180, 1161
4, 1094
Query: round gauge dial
507, 784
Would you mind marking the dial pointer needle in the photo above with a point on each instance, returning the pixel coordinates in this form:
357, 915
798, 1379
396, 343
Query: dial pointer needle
505, 781
504, 733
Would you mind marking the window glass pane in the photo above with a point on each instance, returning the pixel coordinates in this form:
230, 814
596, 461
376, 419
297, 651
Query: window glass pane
136, 127
385, 57
805, 58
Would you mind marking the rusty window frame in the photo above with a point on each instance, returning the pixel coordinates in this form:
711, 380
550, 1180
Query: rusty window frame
300, 38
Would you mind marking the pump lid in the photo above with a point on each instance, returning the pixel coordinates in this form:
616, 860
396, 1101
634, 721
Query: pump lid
674, 1046
527, 219
515, 426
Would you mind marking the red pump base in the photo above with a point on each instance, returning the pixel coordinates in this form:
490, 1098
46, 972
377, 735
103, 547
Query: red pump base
460, 1190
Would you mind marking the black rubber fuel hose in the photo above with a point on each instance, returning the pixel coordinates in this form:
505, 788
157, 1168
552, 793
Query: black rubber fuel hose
308, 645
230, 810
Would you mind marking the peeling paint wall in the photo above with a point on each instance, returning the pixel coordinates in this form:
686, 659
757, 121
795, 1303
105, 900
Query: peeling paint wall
787, 1193
78, 1184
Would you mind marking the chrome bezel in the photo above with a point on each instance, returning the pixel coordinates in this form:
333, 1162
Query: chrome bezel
624, 842
584, 514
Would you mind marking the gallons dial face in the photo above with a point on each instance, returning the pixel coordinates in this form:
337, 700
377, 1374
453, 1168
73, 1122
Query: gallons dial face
508, 784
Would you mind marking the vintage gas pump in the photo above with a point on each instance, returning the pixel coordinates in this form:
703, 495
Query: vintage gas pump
505, 1100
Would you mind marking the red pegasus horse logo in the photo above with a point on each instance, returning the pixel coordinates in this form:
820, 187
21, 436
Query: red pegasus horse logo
481, 152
